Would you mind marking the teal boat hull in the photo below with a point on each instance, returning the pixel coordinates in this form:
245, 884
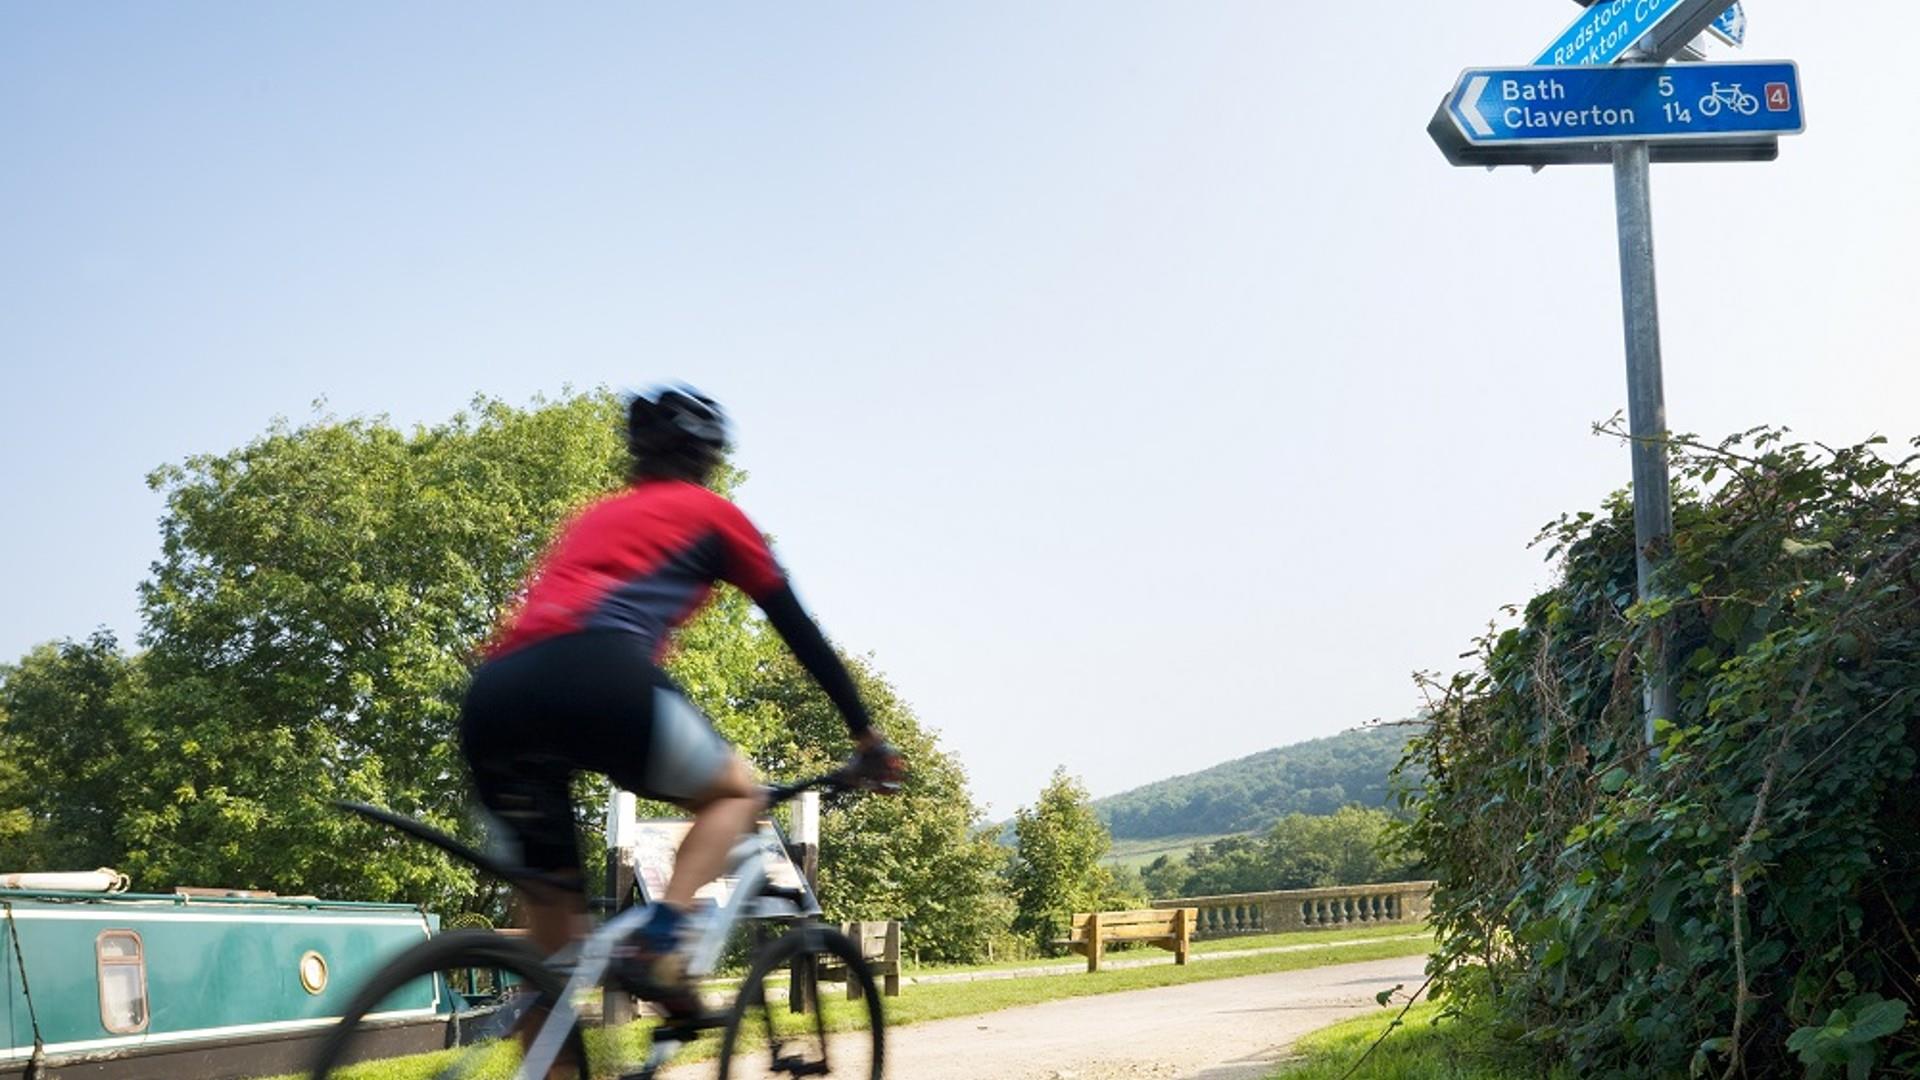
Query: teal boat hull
164, 986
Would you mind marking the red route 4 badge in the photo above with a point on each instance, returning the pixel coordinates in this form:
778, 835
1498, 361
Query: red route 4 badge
1779, 97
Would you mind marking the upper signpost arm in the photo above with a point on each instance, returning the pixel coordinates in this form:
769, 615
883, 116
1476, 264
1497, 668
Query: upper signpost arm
1689, 19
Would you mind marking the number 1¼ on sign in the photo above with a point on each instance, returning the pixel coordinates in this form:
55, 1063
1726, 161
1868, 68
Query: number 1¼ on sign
1677, 113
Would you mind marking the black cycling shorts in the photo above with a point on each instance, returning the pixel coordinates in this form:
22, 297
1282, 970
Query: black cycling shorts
585, 702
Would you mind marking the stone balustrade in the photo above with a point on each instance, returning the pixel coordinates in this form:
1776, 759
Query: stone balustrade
1339, 907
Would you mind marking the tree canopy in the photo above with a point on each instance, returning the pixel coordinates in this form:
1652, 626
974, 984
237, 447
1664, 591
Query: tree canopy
67, 724
1056, 868
321, 595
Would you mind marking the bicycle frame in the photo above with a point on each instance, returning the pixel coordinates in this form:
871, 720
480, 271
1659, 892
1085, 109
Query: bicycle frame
746, 863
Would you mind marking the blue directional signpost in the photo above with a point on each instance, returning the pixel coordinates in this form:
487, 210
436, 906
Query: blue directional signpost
1731, 26
1608, 30
1638, 102
1603, 92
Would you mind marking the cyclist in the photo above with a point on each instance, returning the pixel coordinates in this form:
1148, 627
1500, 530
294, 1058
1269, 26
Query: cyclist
573, 682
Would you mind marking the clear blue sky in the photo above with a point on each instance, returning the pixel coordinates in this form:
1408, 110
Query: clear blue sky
1135, 381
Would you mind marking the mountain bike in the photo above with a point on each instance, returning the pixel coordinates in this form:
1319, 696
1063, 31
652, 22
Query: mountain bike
1731, 97
511, 1012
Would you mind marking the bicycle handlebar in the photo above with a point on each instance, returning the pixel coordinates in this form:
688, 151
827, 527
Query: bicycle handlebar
840, 779
854, 775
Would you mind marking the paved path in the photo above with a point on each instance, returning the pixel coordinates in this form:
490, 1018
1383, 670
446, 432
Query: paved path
1222, 1029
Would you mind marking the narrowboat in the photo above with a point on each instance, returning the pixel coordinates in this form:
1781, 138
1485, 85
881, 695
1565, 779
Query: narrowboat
112, 986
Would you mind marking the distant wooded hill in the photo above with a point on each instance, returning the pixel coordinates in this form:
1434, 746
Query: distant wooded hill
1252, 792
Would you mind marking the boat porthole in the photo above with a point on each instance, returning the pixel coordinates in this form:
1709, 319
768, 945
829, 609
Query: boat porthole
313, 972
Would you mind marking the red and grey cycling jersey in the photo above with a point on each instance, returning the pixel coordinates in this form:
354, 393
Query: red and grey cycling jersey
643, 561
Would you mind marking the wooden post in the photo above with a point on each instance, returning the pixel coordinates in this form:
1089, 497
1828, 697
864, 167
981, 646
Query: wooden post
893, 957
1182, 934
616, 1006
802, 974
804, 845
858, 932
1093, 943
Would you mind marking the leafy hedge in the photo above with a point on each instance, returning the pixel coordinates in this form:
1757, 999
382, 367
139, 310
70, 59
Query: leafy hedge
1748, 904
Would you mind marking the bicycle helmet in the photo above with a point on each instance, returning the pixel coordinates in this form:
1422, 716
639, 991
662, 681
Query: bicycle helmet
664, 417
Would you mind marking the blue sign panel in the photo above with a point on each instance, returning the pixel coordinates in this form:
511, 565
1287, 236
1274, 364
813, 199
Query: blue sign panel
1731, 26
1504, 106
1604, 32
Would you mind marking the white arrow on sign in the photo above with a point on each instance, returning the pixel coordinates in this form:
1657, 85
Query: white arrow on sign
1470, 105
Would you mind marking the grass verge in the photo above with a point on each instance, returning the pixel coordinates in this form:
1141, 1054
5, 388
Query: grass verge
1425, 1047
1215, 945
920, 1004
943, 1000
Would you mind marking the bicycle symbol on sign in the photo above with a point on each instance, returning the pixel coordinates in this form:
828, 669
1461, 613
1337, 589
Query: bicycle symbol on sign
1731, 97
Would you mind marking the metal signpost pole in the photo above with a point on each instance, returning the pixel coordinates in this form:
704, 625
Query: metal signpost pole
1646, 406
1603, 91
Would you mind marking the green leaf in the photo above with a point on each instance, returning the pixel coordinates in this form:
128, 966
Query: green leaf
1614, 779
1798, 550
1878, 1020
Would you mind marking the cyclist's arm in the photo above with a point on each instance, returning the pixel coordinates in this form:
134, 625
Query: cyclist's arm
810, 647
749, 565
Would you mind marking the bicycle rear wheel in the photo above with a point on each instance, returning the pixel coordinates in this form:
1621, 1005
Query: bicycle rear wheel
767, 1039
456, 1005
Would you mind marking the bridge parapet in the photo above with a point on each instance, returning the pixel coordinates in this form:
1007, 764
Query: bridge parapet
1335, 908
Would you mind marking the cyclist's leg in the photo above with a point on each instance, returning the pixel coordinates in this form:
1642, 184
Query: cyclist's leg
522, 775
535, 805
689, 764
721, 815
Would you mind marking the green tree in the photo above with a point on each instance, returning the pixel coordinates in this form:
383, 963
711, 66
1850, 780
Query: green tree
1056, 868
321, 595
1354, 845
1166, 876
1231, 864
69, 713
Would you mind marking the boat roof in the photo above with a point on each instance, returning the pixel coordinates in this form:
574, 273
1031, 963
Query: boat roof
37, 897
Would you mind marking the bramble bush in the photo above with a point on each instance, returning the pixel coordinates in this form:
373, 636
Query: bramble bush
1743, 903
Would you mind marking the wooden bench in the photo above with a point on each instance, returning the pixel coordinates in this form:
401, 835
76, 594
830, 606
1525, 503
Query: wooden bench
1169, 928
879, 942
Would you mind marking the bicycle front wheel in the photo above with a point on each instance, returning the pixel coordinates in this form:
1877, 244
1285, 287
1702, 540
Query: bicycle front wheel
766, 1038
459, 1006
